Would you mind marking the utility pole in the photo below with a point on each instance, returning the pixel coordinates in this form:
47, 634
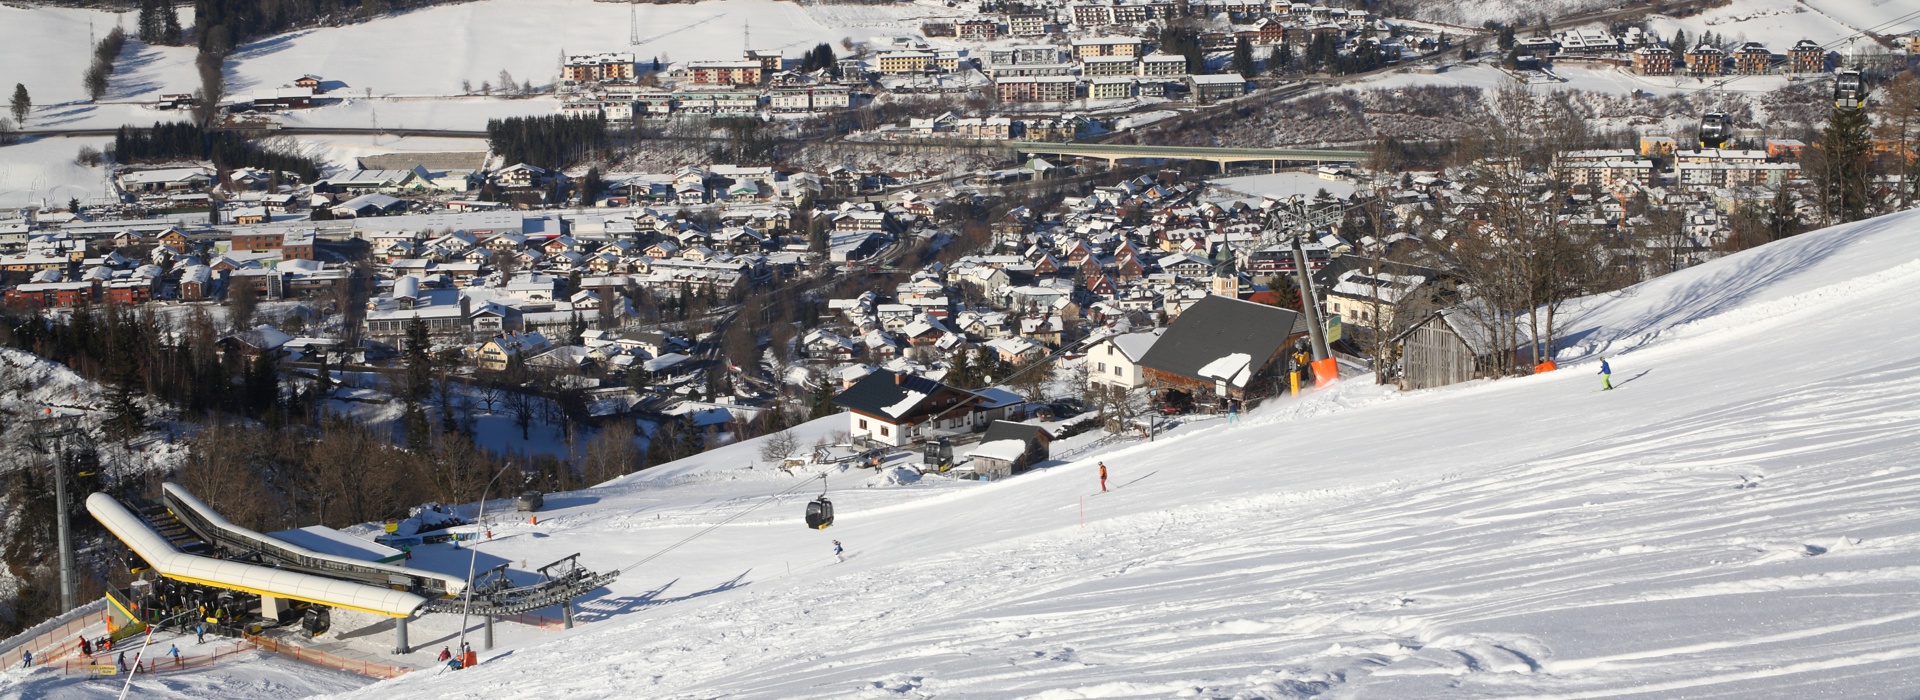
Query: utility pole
51, 432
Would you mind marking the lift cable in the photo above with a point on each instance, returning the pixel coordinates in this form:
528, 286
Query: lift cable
710, 528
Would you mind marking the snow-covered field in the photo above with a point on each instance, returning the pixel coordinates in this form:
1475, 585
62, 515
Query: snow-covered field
1282, 185
1884, 17
429, 52
341, 150
1777, 23
44, 169
1737, 520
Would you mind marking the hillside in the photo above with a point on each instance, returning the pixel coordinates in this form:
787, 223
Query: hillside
1737, 520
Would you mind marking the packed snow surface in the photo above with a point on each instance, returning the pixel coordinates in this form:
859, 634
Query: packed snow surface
1283, 185
1738, 519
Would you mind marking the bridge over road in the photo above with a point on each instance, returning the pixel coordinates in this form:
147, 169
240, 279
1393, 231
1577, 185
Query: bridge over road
1114, 153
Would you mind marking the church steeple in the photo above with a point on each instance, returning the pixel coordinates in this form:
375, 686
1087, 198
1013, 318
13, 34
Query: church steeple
1226, 275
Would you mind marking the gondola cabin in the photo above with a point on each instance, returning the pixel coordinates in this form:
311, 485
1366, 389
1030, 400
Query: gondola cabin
820, 513
1849, 90
317, 620
1715, 129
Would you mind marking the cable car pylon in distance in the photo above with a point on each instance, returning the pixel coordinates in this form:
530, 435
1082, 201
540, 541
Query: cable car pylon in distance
820, 510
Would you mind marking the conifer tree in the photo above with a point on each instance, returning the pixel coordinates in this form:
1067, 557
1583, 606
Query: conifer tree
1841, 174
21, 104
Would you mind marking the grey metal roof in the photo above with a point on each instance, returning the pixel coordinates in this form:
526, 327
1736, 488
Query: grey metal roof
1216, 327
1010, 430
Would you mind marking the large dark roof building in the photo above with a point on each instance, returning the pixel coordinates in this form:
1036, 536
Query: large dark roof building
1199, 346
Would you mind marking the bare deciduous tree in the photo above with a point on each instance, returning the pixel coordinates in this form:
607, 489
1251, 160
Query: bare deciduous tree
777, 447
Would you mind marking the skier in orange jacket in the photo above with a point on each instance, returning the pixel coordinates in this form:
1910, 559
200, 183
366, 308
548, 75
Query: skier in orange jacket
1103, 476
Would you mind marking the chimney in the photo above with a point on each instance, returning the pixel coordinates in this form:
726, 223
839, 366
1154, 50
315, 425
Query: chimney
900, 378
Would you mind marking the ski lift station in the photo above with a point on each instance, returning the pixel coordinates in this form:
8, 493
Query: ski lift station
237, 581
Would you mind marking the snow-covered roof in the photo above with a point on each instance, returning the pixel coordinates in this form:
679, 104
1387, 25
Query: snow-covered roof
1004, 450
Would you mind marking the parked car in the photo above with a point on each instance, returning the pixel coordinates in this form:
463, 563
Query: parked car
531, 501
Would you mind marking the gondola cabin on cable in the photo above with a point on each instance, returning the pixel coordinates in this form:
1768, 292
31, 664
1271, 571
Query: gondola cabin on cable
820, 513
820, 510
1849, 90
1715, 129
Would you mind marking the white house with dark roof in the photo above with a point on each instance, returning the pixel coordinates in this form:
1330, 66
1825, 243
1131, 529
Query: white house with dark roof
897, 409
1115, 361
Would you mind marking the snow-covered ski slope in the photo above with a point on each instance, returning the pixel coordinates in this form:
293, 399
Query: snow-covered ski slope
1740, 519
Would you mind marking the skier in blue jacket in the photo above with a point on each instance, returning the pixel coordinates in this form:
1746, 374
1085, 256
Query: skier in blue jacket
1606, 375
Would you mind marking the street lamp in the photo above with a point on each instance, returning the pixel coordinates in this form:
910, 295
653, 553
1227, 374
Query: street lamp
473, 556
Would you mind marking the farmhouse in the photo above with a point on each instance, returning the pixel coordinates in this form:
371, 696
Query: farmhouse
893, 408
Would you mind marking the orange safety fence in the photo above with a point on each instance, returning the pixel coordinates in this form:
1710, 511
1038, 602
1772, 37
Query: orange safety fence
321, 658
108, 664
63, 640
550, 624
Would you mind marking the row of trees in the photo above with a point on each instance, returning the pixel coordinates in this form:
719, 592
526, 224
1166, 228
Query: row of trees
551, 142
228, 23
159, 22
104, 54
187, 140
820, 57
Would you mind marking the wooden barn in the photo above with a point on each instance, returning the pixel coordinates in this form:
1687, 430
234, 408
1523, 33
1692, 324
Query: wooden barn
1446, 347
1009, 448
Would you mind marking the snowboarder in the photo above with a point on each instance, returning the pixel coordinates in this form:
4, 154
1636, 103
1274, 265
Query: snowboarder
173, 650
199, 634
444, 654
1103, 476
26, 658
86, 647
837, 551
1606, 375
122, 662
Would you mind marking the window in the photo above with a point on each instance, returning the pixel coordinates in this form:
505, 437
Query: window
863, 424
1119, 372
883, 431
1103, 367
1109, 350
